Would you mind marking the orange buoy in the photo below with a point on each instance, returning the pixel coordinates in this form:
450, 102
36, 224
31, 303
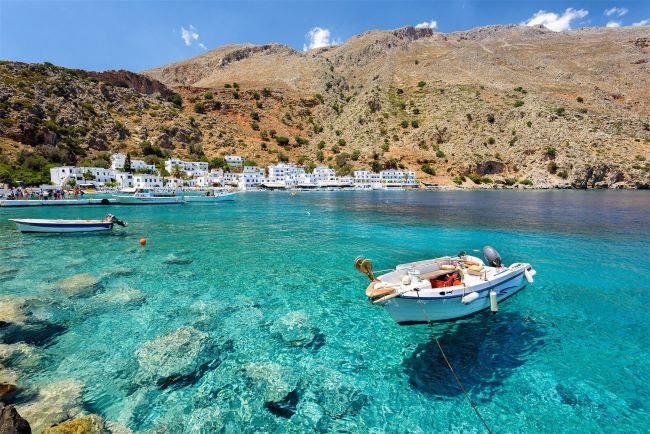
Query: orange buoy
143, 242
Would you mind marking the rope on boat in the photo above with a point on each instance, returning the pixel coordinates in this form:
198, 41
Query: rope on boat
451, 368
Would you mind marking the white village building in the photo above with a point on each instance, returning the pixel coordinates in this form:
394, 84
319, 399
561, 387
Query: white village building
191, 168
118, 160
234, 160
60, 176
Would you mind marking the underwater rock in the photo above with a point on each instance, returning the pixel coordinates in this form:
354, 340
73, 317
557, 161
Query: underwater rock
37, 334
117, 428
295, 329
276, 381
122, 295
172, 259
11, 422
175, 357
54, 403
8, 380
208, 420
7, 273
92, 424
336, 394
120, 271
18, 352
78, 285
12, 310
286, 407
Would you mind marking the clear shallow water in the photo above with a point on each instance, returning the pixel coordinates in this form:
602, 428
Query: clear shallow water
289, 342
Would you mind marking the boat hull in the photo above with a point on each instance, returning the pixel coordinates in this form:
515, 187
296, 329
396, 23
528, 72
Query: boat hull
210, 199
415, 310
132, 200
62, 226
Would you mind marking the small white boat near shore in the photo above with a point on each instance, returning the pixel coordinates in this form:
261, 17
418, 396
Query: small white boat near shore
445, 289
60, 226
149, 197
222, 196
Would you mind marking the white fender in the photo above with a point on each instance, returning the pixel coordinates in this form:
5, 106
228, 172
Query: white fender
493, 301
469, 297
529, 276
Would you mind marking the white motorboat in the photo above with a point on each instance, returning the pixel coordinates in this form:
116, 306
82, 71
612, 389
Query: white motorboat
445, 289
149, 197
217, 196
54, 225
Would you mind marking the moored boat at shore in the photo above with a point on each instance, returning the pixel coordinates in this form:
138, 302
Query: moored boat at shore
60, 225
216, 196
149, 197
446, 288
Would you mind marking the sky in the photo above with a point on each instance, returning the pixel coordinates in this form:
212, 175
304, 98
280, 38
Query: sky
141, 34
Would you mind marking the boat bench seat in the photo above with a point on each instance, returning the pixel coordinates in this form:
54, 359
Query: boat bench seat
435, 274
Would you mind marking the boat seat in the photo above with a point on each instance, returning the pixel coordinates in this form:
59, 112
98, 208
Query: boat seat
435, 274
475, 270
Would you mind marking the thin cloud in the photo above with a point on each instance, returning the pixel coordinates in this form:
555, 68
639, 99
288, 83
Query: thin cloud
613, 24
645, 22
556, 22
203, 47
618, 12
433, 24
318, 38
189, 35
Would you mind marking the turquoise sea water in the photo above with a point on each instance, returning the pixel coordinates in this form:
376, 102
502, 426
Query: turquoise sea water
282, 338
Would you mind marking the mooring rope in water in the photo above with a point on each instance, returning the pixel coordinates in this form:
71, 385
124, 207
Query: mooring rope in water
451, 368
460, 384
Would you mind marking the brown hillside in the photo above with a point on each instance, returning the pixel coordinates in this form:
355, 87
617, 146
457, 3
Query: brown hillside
502, 102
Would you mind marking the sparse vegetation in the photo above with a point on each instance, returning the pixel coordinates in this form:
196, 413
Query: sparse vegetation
490, 118
282, 140
428, 169
550, 152
421, 84
199, 108
519, 103
580, 100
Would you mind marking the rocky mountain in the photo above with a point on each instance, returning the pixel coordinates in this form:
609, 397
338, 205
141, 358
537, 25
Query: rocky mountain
501, 104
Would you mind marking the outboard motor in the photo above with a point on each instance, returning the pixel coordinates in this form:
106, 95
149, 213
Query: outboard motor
115, 220
492, 256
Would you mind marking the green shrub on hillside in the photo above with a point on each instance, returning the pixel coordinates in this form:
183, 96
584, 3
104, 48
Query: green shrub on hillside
199, 108
428, 169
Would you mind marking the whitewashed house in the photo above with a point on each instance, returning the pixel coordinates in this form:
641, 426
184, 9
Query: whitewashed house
124, 179
147, 181
61, 175
118, 160
232, 179
234, 160
251, 178
366, 179
191, 168
398, 178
